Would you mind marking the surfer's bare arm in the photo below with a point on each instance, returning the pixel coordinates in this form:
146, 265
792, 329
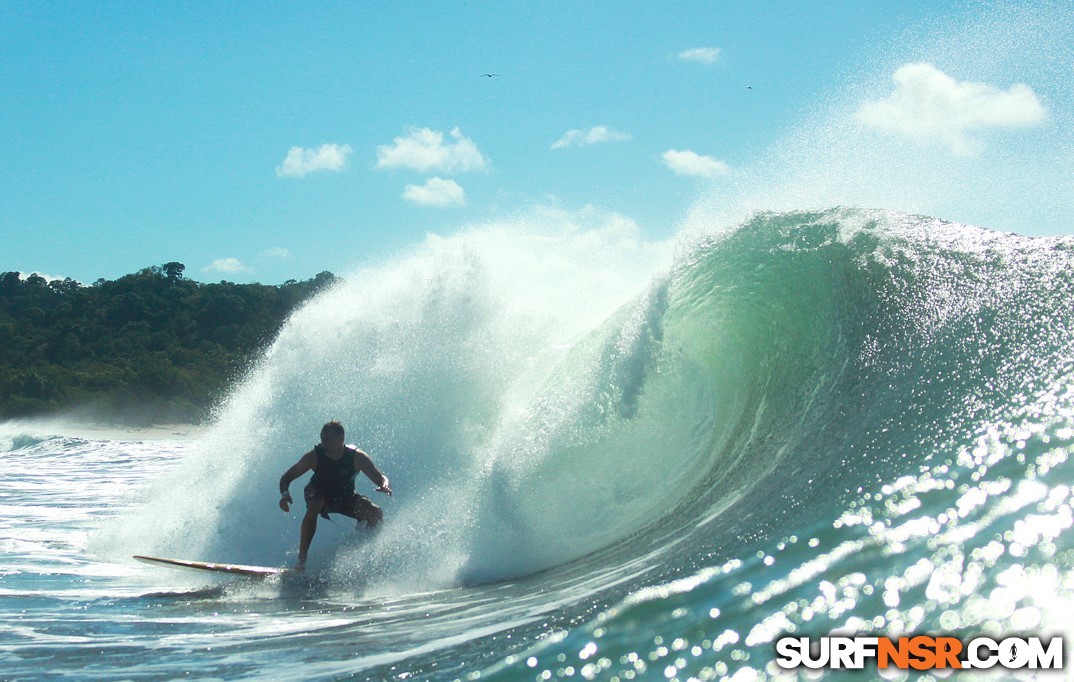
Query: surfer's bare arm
304, 464
364, 463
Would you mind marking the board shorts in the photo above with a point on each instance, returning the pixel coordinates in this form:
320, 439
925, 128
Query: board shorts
358, 507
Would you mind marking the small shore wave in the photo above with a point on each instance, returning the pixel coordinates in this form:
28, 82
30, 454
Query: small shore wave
99, 430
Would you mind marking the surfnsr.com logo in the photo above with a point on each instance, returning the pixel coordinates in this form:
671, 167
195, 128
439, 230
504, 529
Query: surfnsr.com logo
922, 652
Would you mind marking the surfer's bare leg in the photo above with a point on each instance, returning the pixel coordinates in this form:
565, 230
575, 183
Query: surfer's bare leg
309, 529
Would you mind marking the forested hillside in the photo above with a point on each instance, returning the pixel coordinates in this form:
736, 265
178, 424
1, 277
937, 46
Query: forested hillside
151, 346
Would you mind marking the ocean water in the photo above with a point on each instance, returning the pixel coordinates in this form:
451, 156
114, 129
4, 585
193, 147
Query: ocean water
611, 460
615, 459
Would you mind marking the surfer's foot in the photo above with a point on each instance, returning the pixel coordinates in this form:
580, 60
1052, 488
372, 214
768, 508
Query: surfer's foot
300, 566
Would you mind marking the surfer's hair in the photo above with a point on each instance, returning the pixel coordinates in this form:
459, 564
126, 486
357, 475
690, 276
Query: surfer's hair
332, 429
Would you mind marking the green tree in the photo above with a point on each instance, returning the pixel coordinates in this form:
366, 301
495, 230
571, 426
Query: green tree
153, 341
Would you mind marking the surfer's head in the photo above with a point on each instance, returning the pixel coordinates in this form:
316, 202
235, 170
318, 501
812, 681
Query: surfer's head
331, 432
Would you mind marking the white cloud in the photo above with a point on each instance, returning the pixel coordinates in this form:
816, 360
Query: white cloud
930, 105
48, 278
436, 192
227, 266
423, 149
584, 138
704, 55
276, 252
327, 157
687, 162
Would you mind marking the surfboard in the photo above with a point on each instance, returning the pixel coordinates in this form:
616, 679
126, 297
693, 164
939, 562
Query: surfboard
230, 569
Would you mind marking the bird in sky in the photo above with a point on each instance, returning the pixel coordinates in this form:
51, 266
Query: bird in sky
488, 75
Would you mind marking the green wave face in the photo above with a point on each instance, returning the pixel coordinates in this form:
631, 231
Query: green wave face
889, 452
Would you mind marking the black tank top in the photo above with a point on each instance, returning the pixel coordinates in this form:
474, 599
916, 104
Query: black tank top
334, 477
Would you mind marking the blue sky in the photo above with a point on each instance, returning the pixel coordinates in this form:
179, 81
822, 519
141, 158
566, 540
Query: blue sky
269, 141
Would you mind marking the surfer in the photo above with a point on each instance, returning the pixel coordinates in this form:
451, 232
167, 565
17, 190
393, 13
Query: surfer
331, 490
